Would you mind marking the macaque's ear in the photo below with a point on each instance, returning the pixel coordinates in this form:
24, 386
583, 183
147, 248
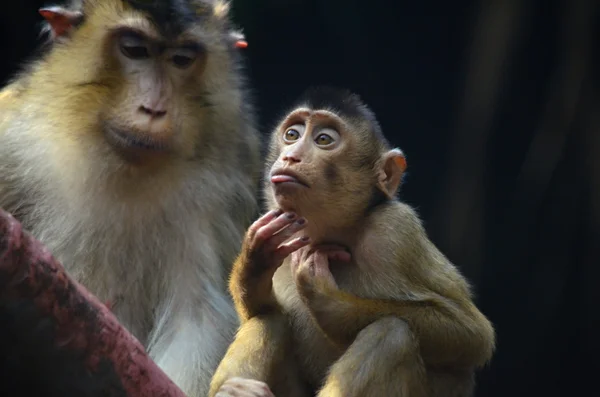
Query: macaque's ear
221, 10
60, 19
238, 38
392, 168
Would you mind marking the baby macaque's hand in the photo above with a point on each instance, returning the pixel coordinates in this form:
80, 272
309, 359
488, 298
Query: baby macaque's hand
310, 266
265, 245
241, 387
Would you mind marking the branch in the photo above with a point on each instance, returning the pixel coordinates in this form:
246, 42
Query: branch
59, 334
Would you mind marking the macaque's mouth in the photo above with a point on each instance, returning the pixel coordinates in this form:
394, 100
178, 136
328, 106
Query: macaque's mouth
279, 177
124, 139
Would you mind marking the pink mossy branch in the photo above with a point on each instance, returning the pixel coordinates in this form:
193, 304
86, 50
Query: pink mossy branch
62, 336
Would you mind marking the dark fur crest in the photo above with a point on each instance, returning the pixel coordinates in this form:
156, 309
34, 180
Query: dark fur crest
170, 16
343, 102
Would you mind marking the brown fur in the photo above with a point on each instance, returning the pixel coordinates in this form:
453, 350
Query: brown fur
154, 233
398, 320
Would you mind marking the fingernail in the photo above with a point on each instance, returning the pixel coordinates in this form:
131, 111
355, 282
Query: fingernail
305, 238
291, 215
277, 212
301, 221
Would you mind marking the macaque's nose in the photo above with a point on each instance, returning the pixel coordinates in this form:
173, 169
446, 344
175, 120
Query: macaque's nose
153, 112
291, 157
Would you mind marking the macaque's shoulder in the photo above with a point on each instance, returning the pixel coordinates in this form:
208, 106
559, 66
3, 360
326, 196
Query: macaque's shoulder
393, 218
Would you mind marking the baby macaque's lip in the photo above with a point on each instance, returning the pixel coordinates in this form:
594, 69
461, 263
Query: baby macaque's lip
281, 176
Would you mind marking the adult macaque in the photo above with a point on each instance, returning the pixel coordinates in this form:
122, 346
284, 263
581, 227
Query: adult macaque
129, 148
364, 303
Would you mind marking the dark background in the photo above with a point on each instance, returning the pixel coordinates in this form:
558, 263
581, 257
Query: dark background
496, 105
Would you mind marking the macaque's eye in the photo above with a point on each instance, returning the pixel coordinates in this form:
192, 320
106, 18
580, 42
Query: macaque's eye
291, 135
134, 46
324, 140
184, 57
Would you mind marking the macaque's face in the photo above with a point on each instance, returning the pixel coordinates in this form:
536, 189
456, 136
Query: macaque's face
317, 161
153, 83
155, 109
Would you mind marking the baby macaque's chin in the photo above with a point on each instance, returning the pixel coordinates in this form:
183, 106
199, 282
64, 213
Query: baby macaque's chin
285, 204
302, 205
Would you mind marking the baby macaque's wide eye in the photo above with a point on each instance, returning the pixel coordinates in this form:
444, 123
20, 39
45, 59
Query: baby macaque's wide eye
134, 46
291, 135
324, 140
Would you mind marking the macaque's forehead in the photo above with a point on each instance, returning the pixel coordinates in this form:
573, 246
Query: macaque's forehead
306, 114
346, 105
341, 102
172, 17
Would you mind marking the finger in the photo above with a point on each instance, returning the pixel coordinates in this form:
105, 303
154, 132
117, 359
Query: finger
305, 254
268, 393
250, 383
275, 225
322, 270
258, 388
284, 234
225, 393
321, 259
330, 247
340, 256
294, 261
263, 220
295, 254
286, 249
335, 252
237, 390
243, 387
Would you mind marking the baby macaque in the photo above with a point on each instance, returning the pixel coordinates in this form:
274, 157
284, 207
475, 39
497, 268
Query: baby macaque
339, 290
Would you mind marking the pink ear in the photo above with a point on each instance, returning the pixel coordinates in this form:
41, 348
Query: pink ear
390, 175
239, 39
60, 19
241, 44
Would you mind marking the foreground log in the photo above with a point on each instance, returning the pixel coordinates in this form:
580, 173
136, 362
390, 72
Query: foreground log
56, 338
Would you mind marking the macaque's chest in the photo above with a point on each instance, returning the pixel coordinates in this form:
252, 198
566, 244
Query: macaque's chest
128, 294
313, 352
364, 277
120, 267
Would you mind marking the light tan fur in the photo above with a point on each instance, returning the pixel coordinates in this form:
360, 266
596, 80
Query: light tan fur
155, 238
221, 9
396, 320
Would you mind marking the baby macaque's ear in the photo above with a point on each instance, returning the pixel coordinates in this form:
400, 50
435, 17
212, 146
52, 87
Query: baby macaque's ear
60, 20
392, 168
